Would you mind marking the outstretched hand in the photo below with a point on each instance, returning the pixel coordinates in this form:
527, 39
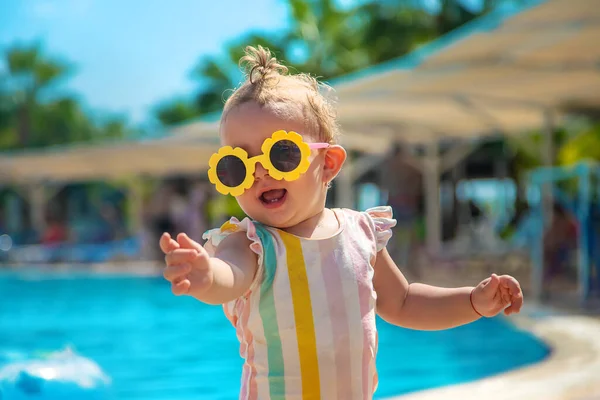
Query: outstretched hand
497, 293
187, 265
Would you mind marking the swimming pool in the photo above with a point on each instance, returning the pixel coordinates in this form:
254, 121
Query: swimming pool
157, 346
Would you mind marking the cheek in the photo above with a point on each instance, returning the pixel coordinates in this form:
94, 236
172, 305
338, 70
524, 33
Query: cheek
245, 201
313, 178
315, 171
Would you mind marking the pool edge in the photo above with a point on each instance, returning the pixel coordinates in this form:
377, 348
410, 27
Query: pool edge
570, 372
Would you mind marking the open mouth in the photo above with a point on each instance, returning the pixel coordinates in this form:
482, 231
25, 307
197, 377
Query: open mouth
273, 197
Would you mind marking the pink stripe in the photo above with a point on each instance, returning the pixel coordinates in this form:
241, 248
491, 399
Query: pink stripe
365, 285
340, 327
249, 389
375, 375
240, 331
228, 314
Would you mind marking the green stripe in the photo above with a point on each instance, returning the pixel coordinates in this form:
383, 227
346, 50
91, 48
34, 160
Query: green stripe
268, 314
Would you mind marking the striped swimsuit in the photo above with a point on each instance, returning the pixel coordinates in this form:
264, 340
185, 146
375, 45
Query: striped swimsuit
307, 324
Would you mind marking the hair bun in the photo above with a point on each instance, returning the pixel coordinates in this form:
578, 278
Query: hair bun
260, 64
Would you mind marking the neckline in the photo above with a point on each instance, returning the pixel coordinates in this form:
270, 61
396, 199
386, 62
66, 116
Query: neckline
339, 215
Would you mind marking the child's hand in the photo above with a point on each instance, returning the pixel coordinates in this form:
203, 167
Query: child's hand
167, 244
188, 267
495, 293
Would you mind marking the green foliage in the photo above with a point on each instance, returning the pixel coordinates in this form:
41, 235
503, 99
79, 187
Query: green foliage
583, 146
324, 40
391, 33
175, 111
33, 110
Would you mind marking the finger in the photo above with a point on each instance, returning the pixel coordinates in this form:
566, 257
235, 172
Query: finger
167, 244
510, 283
172, 273
187, 243
180, 256
504, 294
491, 287
516, 302
182, 287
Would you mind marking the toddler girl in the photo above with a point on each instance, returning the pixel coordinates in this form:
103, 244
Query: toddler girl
302, 283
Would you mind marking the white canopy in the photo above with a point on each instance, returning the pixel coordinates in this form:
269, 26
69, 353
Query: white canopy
109, 161
499, 74
186, 150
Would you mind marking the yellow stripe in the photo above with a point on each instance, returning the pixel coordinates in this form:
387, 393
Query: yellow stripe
303, 316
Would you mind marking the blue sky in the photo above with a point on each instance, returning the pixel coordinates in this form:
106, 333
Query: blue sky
130, 54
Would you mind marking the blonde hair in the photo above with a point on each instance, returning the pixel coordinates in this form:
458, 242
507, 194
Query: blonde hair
268, 84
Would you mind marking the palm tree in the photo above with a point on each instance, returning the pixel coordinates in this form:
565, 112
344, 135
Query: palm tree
326, 40
34, 114
30, 75
396, 29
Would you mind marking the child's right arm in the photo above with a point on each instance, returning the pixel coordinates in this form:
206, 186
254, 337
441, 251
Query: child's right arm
213, 280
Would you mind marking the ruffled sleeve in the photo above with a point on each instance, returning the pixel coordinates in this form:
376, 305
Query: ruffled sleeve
383, 220
215, 236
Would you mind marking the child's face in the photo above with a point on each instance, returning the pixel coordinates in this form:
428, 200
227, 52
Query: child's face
277, 203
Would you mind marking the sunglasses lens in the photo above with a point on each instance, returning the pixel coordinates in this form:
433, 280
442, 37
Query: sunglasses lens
285, 155
231, 171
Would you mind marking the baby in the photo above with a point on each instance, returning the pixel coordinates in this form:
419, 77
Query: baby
302, 283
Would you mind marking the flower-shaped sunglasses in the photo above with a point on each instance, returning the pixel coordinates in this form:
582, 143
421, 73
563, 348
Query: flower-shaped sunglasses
285, 155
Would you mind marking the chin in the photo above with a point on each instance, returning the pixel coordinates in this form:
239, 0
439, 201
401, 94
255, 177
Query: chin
273, 220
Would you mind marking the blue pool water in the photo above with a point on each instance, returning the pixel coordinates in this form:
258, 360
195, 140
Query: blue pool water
157, 346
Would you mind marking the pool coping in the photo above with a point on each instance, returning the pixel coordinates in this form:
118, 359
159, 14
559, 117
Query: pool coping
570, 372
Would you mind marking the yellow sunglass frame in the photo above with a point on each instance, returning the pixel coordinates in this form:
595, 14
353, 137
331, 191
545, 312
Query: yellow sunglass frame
264, 159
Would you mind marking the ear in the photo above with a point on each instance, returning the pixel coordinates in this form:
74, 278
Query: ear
335, 156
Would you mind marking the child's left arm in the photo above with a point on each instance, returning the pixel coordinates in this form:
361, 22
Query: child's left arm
425, 307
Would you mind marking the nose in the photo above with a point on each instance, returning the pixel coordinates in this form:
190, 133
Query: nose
259, 171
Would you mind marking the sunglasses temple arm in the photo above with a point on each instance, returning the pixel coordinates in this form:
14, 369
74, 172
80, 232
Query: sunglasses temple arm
318, 145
